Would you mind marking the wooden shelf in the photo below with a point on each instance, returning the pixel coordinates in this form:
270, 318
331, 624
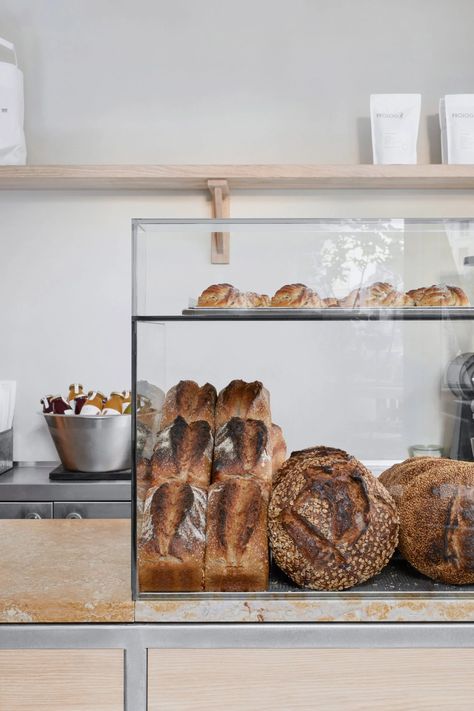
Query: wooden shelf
251, 177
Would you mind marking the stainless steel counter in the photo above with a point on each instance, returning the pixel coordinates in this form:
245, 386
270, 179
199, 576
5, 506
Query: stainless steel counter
31, 483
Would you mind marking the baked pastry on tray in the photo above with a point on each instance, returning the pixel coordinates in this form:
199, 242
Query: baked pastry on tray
296, 296
380, 294
439, 295
227, 296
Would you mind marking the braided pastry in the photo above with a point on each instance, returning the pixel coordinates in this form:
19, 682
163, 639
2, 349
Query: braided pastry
379, 294
257, 300
296, 296
439, 295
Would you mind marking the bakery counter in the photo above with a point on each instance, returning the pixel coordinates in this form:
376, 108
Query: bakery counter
65, 571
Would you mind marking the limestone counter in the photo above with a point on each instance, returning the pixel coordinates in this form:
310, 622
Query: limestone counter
78, 571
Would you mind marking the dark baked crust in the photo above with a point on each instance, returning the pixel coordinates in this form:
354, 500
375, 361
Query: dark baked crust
321, 455
437, 522
183, 451
439, 295
187, 399
172, 544
399, 476
279, 450
331, 526
245, 400
242, 448
237, 547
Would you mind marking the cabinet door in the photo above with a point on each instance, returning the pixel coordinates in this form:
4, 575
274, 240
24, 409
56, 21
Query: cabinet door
59, 680
310, 679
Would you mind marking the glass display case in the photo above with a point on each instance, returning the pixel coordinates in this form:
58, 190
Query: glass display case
364, 361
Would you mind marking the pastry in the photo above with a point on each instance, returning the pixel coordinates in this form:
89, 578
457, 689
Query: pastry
378, 294
279, 450
243, 448
236, 545
245, 400
257, 300
183, 451
331, 526
190, 401
439, 295
437, 522
296, 296
221, 296
331, 302
171, 547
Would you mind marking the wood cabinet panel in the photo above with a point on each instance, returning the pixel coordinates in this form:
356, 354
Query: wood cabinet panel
61, 680
310, 679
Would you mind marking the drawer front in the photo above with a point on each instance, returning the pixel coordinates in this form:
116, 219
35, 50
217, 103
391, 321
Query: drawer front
58, 680
310, 679
26, 509
92, 509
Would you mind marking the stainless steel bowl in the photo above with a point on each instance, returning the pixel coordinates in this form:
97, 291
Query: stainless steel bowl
99, 443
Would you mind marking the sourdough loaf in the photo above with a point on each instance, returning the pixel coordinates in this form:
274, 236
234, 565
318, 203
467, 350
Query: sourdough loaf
243, 448
237, 546
279, 451
331, 526
183, 451
171, 547
245, 400
188, 400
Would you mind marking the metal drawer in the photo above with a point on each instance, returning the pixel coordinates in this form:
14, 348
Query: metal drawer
92, 509
26, 509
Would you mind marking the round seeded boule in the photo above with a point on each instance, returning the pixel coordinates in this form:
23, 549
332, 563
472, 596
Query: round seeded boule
331, 525
437, 523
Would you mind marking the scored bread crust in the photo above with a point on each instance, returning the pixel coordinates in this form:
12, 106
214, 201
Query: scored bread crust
279, 450
296, 296
399, 476
439, 295
331, 526
237, 545
190, 401
437, 523
243, 448
321, 455
171, 547
183, 451
246, 400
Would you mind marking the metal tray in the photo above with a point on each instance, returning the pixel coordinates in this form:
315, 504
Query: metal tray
408, 313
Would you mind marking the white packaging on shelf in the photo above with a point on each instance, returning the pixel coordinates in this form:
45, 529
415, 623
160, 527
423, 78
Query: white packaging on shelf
394, 120
459, 117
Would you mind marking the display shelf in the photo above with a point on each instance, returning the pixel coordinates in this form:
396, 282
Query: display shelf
431, 313
249, 177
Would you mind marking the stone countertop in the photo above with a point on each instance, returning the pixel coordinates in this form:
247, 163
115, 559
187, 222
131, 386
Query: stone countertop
65, 571
78, 571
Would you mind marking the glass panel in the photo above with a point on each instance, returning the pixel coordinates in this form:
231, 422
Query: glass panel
372, 383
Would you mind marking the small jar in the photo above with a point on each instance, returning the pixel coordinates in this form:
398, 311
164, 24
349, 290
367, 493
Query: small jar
94, 403
114, 405
427, 450
75, 389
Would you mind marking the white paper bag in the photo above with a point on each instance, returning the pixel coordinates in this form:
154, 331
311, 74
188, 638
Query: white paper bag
394, 120
12, 136
459, 121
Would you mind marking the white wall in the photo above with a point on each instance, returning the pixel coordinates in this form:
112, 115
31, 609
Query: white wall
154, 81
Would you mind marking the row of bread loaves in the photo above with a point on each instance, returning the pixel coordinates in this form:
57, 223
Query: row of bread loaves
379, 294
206, 490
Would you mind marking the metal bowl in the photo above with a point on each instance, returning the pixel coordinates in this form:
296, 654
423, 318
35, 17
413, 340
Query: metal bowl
94, 443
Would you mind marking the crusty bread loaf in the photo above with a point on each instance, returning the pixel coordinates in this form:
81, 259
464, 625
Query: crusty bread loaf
171, 547
437, 522
321, 455
297, 296
279, 451
245, 400
380, 294
183, 451
331, 526
399, 476
188, 400
243, 448
237, 546
439, 295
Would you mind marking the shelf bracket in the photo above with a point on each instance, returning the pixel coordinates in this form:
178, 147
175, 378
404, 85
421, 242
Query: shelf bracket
220, 243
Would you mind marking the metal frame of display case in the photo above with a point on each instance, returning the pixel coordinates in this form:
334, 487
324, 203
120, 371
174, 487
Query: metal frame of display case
190, 315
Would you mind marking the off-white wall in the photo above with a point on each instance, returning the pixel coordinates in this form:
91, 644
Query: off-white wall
214, 81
